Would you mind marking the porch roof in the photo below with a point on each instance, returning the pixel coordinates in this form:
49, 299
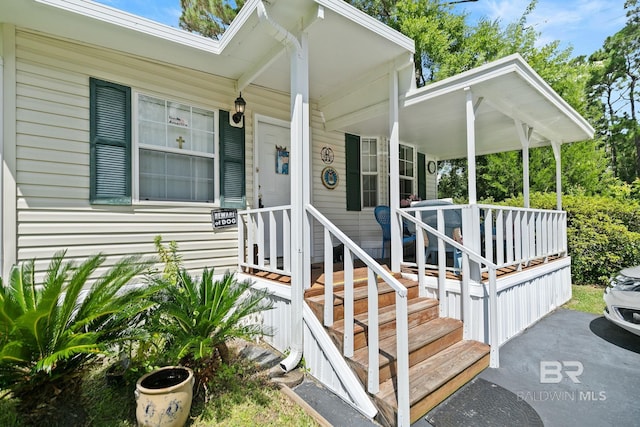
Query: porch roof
342, 42
434, 117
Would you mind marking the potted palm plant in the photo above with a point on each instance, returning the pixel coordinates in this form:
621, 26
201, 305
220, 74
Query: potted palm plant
196, 317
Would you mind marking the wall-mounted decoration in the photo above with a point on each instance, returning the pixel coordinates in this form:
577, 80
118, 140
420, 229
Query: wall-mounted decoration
431, 167
282, 160
327, 155
329, 177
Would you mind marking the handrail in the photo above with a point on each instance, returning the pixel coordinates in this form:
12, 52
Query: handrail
402, 319
358, 251
472, 255
467, 253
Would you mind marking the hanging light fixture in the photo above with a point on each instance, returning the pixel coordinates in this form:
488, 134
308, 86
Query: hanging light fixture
240, 104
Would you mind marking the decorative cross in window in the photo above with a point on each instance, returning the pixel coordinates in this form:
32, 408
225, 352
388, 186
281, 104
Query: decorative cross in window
180, 141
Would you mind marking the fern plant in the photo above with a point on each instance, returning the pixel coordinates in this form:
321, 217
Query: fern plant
49, 328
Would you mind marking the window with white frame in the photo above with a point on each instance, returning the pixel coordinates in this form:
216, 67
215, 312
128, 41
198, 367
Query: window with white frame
407, 171
369, 166
176, 151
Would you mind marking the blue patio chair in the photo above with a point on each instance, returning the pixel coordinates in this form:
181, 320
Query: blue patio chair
383, 216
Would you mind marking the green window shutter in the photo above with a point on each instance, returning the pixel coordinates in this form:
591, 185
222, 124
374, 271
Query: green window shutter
422, 176
232, 169
110, 136
352, 160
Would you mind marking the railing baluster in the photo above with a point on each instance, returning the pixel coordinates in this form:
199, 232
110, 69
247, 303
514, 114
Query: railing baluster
466, 297
402, 358
494, 339
420, 260
273, 241
328, 278
510, 243
538, 236
348, 303
286, 239
372, 334
488, 235
243, 250
261, 239
442, 265
500, 237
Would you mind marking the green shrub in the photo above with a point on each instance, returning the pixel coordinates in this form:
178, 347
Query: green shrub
603, 233
47, 329
197, 316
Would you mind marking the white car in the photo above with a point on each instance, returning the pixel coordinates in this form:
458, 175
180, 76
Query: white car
622, 297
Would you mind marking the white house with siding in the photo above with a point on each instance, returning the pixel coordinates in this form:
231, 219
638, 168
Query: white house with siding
116, 129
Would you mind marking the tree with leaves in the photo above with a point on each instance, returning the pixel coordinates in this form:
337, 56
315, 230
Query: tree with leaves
209, 18
614, 87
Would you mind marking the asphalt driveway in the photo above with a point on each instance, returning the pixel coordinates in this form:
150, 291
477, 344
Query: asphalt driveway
571, 368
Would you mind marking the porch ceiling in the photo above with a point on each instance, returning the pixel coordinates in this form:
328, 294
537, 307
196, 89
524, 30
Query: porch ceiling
344, 44
434, 117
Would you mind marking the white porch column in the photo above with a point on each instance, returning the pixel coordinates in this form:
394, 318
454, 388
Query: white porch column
471, 147
556, 153
524, 134
394, 171
299, 168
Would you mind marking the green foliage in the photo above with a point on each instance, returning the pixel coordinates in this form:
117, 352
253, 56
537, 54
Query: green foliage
170, 258
209, 18
603, 233
48, 328
205, 313
198, 316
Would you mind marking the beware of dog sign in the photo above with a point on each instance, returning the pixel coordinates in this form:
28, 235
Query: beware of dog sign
223, 218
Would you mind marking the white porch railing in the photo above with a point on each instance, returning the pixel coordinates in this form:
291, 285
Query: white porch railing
494, 237
517, 236
264, 239
467, 273
353, 251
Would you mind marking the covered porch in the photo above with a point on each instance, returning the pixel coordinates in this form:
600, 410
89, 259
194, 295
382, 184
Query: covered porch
501, 106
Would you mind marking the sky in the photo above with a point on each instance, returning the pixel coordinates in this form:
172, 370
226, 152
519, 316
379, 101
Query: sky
582, 24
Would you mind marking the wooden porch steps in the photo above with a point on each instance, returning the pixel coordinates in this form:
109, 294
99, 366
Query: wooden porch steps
440, 361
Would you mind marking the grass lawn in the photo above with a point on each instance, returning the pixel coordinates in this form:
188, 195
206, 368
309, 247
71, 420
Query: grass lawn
586, 298
238, 396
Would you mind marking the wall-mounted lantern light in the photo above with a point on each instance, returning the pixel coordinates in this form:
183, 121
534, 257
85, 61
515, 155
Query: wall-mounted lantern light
240, 104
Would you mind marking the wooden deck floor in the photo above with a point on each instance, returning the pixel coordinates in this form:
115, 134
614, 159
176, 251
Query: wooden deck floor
317, 273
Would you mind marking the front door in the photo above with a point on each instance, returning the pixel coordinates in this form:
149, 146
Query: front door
273, 179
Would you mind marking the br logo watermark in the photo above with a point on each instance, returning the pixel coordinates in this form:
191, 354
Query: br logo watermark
552, 371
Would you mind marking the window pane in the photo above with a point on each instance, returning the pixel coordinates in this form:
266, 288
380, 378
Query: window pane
151, 109
406, 188
201, 141
369, 191
152, 133
166, 176
203, 120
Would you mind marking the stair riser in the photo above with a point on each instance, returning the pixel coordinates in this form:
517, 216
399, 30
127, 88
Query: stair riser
360, 305
422, 407
361, 335
416, 356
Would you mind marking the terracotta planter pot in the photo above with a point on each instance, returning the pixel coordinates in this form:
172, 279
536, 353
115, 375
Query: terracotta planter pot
163, 397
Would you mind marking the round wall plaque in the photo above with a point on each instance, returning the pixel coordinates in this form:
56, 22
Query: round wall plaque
431, 167
327, 155
329, 177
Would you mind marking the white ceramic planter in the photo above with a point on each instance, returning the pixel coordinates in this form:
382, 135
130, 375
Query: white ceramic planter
163, 397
